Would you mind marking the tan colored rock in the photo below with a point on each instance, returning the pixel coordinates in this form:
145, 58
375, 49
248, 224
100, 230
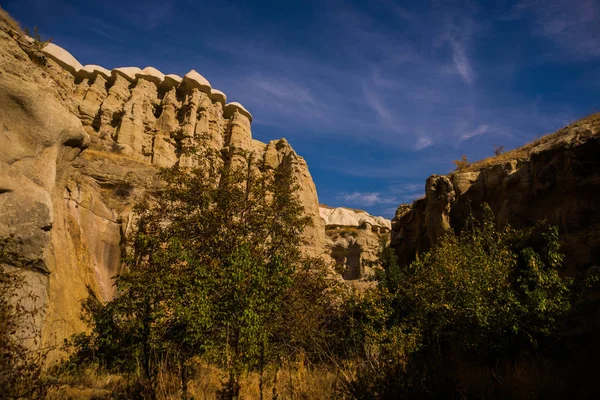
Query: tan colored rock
62, 57
440, 194
95, 95
553, 178
176, 79
342, 216
138, 120
110, 114
353, 245
217, 95
151, 74
128, 73
197, 81
76, 155
233, 107
91, 71
171, 80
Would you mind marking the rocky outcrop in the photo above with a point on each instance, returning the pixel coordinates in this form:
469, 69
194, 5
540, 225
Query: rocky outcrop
342, 216
80, 144
556, 178
353, 240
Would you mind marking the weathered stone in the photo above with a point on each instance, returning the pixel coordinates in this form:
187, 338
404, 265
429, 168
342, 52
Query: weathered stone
79, 147
353, 240
62, 57
554, 178
233, 108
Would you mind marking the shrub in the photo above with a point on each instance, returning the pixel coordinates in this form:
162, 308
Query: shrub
486, 294
462, 163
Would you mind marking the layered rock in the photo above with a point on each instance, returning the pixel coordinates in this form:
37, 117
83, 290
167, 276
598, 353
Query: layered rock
80, 144
353, 240
556, 178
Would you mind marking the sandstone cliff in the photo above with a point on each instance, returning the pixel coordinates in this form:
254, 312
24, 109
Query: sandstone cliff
353, 240
80, 144
556, 177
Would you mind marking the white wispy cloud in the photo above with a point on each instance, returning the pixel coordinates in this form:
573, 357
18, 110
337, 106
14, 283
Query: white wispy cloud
283, 90
423, 142
480, 130
365, 199
571, 24
375, 102
461, 61
102, 28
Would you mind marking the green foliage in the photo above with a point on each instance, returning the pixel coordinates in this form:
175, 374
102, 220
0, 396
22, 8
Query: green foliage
390, 275
487, 293
211, 268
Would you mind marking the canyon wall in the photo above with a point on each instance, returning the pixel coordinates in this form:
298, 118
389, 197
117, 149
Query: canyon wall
353, 240
80, 144
556, 178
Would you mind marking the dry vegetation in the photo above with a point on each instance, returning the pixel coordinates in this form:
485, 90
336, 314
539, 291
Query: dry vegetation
581, 127
10, 21
296, 381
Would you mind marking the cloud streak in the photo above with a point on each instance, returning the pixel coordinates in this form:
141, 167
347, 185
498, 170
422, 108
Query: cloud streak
366, 199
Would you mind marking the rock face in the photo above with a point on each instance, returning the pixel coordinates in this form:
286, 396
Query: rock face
79, 145
342, 216
353, 240
556, 177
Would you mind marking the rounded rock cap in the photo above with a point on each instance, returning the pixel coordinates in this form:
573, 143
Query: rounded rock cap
231, 108
175, 79
62, 57
170, 81
217, 95
196, 80
128, 73
90, 71
151, 74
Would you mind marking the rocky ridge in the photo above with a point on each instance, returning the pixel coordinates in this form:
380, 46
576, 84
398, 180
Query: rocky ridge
80, 144
353, 240
556, 178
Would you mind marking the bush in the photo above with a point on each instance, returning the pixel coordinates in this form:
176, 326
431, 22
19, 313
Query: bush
462, 163
484, 295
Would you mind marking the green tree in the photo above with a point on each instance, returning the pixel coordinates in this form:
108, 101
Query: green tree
210, 266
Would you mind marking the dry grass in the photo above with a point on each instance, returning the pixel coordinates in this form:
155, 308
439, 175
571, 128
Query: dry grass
295, 381
591, 123
89, 384
9, 21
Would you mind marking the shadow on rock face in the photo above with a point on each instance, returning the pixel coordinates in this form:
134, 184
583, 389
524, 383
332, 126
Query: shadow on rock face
37, 134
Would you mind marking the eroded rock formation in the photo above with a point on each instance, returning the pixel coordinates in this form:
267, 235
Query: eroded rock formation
353, 240
556, 178
80, 144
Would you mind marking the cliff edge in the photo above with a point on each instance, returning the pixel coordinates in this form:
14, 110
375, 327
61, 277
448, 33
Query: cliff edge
80, 144
556, 178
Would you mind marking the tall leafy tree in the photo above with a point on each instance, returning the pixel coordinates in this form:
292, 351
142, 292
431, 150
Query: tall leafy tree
211, 262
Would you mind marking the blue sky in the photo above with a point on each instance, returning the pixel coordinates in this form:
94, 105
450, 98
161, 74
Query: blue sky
376, 95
